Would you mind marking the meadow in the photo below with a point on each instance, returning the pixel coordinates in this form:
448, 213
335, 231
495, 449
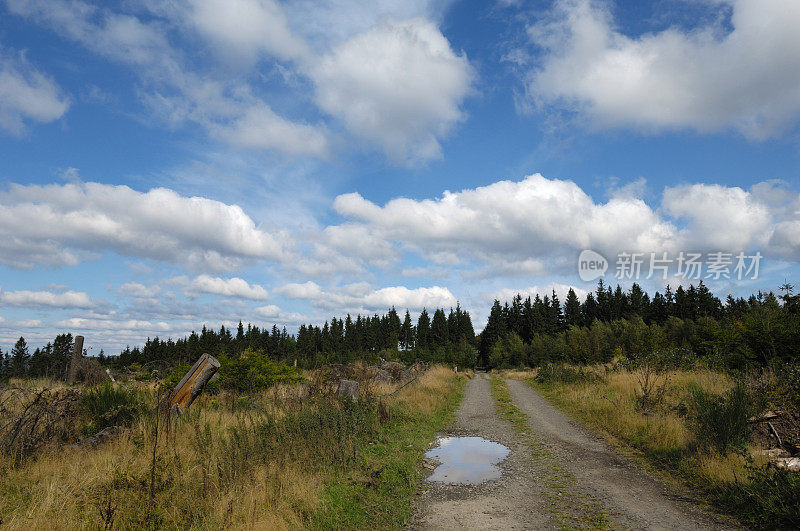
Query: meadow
284, 457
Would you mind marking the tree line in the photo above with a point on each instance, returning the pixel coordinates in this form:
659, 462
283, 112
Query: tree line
759, 330
526, 331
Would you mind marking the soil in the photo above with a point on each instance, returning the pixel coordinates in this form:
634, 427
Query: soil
559, 475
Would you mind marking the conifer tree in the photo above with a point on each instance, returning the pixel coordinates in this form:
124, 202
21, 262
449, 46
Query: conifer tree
19, 358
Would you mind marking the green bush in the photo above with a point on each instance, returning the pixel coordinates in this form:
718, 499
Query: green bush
254, 371
720, 422
551, 373
770, 499
107, 405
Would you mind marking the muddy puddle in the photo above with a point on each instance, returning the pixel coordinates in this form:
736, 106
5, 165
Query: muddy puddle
466, 460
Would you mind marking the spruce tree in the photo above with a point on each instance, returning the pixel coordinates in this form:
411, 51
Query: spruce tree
572, 309
20, 358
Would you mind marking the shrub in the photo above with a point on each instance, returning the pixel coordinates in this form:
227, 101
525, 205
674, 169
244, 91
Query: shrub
720, 422
107, 405
564, 374
254, 371
769, 499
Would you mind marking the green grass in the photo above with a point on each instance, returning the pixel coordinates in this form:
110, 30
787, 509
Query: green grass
378, 492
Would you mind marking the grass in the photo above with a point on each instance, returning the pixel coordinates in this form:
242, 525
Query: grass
268, 460
583, 511
690, 435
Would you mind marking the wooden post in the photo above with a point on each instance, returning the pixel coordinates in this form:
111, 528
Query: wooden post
77, 352
192, 384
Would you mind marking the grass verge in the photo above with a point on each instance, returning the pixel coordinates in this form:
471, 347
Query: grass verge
662, 435
378, 492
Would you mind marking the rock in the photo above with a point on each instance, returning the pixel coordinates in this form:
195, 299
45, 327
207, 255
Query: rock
348, 389
394, 368
382, 376
791, 464
772, 453
101, 437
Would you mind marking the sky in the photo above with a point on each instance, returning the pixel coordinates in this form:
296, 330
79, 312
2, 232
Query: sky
166, 164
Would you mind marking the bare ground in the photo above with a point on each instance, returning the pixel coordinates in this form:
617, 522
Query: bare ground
558, 475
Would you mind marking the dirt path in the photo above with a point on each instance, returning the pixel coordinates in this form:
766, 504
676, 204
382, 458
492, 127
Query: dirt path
631, 497
515, 501
557, 475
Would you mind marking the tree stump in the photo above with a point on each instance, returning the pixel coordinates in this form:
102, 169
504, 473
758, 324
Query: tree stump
193, 383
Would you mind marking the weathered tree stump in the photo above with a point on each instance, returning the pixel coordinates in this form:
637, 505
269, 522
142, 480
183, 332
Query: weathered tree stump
77, 352
193, 383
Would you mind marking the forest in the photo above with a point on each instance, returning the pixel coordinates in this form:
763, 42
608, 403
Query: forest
736, 334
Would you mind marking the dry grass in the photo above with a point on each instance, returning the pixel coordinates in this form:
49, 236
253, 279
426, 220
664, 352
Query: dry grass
196, 487
610, 404
517, 374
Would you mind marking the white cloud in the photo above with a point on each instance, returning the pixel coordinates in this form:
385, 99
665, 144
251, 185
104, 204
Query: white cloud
725, 218
134, 289
513, 221
170, 88
307, 290
707, 79
27, 95
46, 299
55, 224
561, 291
402, 297
245, 28
398, 84
361, 296
538, 225
226, 287
259, 127
80, 323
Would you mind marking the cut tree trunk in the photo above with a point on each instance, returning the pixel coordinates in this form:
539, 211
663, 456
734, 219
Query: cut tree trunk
193, 383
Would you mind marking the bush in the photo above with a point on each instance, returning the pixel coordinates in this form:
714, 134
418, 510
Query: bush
769, 499
720, 422
254, 371
107, 405
563, 374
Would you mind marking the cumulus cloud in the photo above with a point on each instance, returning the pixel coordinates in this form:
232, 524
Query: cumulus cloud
26, 95
535, 217
306, 290
46, 299
246, 28
226, 287
537, 225
711, 78
399, 84
719, 216
361, 296
55, 224
134, 289
171, 88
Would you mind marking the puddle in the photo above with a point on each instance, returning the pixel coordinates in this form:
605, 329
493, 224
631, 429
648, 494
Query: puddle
467, 460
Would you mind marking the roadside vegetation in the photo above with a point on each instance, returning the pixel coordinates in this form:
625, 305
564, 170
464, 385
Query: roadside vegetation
286, 455
695, 424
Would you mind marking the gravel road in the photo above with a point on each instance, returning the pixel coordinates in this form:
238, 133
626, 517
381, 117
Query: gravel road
556, 476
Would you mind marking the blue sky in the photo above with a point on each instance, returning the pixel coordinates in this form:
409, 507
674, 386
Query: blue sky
167, 164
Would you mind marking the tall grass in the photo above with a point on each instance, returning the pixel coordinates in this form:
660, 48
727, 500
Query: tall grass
697, 431
276, 462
